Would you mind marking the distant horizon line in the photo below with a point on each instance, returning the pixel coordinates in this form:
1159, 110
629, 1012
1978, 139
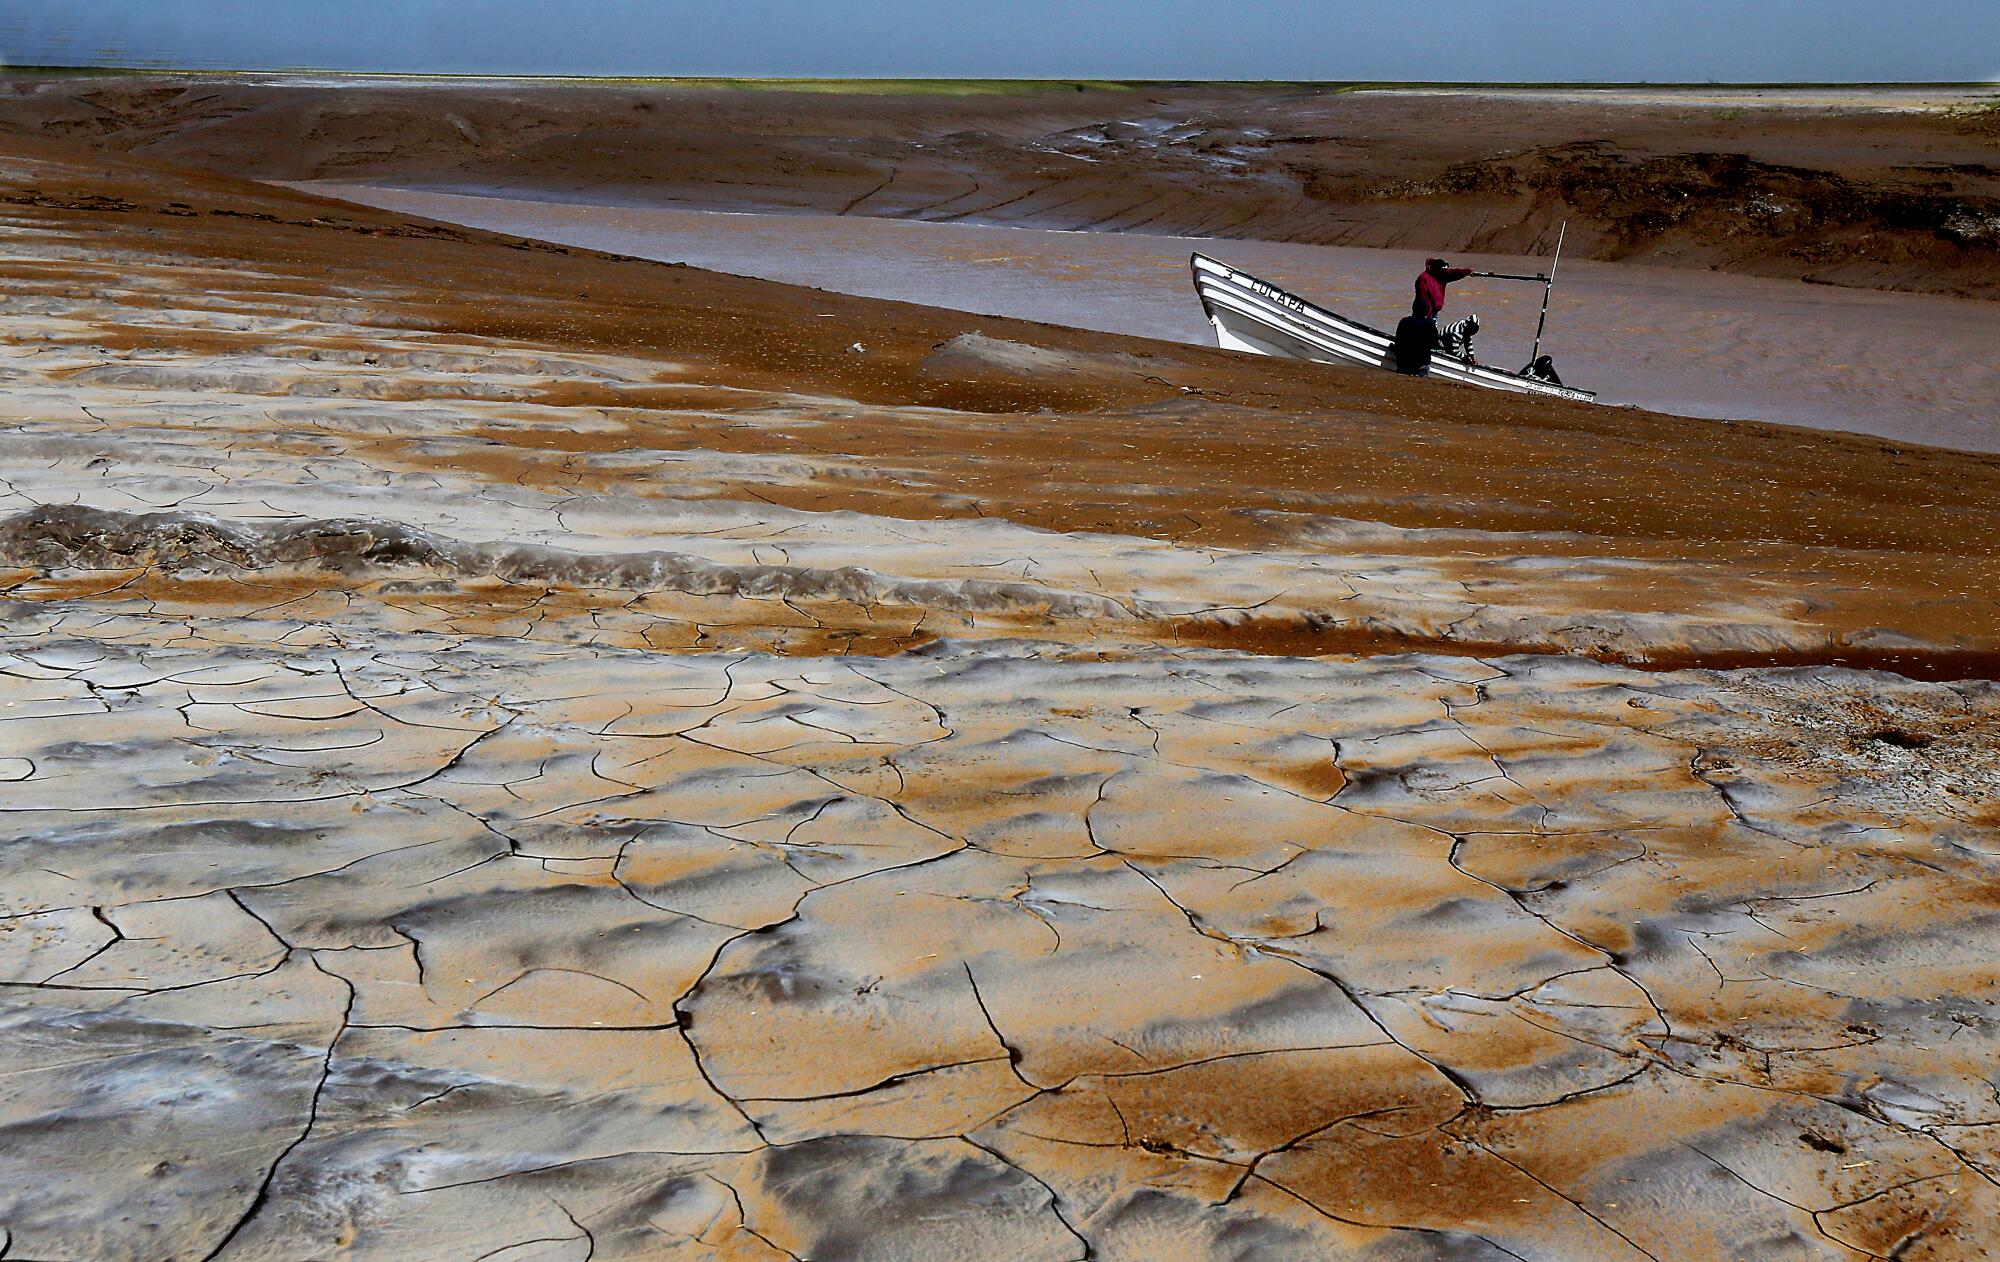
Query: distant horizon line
1108, 81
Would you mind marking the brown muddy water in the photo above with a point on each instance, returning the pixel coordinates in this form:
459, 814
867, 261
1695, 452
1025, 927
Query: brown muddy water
1916, 368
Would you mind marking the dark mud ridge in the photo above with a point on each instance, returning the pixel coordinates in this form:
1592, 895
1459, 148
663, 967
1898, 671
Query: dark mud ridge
74, 537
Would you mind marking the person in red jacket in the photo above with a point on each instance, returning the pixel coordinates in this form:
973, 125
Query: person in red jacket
1417, 335
1430, 287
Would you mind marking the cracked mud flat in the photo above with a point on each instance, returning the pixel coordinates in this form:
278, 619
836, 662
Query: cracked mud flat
607, 771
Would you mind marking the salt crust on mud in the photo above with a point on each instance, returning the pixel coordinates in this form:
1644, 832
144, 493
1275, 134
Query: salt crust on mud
397, 440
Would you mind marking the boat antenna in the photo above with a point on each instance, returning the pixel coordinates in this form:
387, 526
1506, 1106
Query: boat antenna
1548, 287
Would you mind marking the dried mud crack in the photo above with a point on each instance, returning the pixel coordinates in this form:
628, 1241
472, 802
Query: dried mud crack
627, 778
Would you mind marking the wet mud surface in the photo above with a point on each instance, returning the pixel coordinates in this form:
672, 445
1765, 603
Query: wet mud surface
507, 752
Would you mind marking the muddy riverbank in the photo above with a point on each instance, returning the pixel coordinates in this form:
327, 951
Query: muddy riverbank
512, 751
1918, 369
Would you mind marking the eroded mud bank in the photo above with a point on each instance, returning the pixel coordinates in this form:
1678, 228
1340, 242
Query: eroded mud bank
514, 753
1890, 189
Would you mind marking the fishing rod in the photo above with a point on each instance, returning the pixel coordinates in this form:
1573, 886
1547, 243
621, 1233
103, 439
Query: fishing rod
1547, 289
1548, 281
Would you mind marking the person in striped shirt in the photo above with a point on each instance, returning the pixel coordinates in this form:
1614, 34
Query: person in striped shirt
1455, 339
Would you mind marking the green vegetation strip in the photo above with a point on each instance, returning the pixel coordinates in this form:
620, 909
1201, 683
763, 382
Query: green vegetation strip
977, 87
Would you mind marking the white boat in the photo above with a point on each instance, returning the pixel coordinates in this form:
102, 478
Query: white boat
1256, 316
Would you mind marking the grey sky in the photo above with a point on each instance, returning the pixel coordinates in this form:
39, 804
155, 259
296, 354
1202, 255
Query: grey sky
1739, 40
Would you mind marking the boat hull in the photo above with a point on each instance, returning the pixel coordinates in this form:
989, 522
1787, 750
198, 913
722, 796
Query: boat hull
1256, 316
